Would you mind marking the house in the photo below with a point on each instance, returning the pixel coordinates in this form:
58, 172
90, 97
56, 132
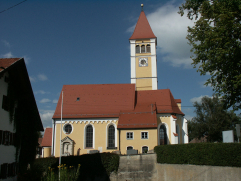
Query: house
19, 118
120, 117
47, 143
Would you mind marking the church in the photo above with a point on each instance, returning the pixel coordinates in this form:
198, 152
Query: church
120, 117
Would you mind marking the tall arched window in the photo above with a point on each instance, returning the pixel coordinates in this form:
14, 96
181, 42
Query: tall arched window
111, 136
137, 49
177, 131
163, 135
89, 137
143, 49
148, 48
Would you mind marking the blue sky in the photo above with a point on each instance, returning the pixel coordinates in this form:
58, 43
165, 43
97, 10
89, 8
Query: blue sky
87, 42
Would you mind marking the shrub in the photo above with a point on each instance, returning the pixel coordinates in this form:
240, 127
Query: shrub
98, 165
216, 154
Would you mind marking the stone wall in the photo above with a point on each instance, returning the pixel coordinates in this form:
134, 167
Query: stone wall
144, 167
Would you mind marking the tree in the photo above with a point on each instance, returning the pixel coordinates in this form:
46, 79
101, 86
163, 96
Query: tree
211, 119
216, 43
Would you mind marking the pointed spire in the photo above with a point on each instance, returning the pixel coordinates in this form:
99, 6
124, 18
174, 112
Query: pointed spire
143, 29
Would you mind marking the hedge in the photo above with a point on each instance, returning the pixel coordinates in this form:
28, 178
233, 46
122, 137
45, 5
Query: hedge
216, 154
98, 165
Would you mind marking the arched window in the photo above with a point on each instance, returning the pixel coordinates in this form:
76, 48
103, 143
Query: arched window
111, 136
148, 48
177, 131
129, 148
89, 137
144, 149
137, 49
143, 49
163, 135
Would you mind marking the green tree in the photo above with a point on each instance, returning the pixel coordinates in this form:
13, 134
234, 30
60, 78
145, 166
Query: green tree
216, 43
211, 119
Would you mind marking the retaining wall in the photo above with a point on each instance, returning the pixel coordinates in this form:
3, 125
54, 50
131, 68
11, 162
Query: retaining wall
144, 167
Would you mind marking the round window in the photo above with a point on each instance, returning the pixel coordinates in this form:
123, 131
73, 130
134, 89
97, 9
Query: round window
67, 128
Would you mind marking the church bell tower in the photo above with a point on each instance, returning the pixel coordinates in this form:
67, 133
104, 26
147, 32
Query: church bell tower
143, 44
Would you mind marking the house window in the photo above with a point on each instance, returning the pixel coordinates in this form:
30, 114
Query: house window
1, 137
129, 135
6, 137
5, 103
148, 48
144, 135
163, 135
89, 137
137, 49
143, 49
111, 136
4, 170
129, 148
67, 128
144, 149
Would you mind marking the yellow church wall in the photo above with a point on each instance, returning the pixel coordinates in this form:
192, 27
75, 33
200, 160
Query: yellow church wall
179, 106
166, 119
47, 152
77, 135
137, 142
143, 84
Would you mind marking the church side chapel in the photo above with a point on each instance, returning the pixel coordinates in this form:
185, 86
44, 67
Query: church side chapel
120, 117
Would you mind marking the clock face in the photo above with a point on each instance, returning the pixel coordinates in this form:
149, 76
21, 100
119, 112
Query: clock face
143, 62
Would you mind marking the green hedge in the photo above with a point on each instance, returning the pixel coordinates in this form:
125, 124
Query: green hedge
216, 154
98, 165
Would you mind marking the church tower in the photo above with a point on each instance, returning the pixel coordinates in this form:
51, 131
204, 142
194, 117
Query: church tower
143, 44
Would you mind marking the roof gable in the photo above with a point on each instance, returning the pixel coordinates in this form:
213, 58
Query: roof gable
7, 62
47, 139
143, 29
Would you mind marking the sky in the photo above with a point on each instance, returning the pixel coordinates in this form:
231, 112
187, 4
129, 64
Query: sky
68, 42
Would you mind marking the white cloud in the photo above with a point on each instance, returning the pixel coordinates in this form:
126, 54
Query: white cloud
46, 117
171, 31
6, 43
55, 101
202, 84
32, 79
188, 117
8, 55
41, 92
197, 99
26, 59
42, 77
45, 100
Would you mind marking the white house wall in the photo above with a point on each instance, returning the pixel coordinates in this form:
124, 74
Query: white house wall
7, 153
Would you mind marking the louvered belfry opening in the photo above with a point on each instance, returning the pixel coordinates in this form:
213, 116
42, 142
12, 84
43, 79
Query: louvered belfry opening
148, 48
143, 49
137, 49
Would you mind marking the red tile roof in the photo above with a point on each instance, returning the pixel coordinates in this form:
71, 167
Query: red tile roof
178, 100
135, 109
7, 62
99, 100
47, 139
163, 98
144, 116
143, 29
